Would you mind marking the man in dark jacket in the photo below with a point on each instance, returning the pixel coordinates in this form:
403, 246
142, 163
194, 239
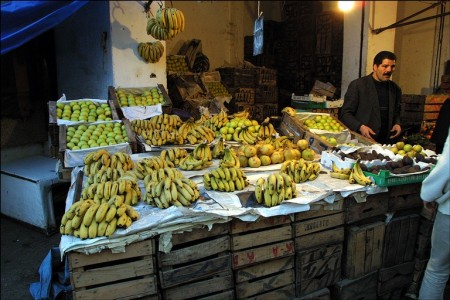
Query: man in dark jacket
372, 103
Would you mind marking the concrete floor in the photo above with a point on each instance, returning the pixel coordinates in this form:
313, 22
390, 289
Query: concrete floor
23, 249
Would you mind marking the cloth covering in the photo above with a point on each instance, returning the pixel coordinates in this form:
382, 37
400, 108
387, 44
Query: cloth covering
54, 277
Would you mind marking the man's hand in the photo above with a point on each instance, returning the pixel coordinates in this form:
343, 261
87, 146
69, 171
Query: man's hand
366, 131
397, 129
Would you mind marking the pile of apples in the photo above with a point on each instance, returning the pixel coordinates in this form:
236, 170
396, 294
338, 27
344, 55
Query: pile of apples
264, 154
407, 149
323, 122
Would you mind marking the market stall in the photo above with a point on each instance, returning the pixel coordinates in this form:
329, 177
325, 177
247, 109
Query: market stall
333, 238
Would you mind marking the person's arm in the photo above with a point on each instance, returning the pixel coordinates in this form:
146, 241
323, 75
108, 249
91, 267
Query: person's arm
435, 184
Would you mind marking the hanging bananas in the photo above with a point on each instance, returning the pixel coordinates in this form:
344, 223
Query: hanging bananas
167, 23
151, 52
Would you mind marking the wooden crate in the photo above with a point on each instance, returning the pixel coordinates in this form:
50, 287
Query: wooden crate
363, 249
404, 202
107, 275
166, 107
265, 76
195, 255
375, 205
419, 270
318, 227
262, 240
394, 279
273, 279
256, 110
361, 288
244, 95
317, 268
266, 94
423, 246
290, 127
323, 294
399, 240
270, 110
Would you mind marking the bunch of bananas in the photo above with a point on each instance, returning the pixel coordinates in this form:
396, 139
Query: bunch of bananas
102, 159
151, 52
191, 163
280, 142
199, 158
225, 179
244, 114
244, 135
173, 155
171, 191
105, 174
217, 121
339, 173
159, 130
167, 23
87, 219
289, 110
126, 187
219, 149
161, 174
195, 133
230, 159
266, 129
357, 175
274, 189
301, 170
202, 152
147, 165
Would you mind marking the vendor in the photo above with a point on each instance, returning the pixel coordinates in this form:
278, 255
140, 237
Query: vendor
372, 103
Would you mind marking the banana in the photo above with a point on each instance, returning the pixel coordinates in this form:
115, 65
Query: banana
88, 158
274, 199
92, 230
214, 184
272, 183
280, 181
221, 173
84, 232
132, 213
90, 214
111, 213
259, 189
111, 227
122, 220
101, 229
267, 197
288, 192
238, 184
340, 175
98, 154
220, 184
83, 207
119, 200
122, 209
101, 212
114, 188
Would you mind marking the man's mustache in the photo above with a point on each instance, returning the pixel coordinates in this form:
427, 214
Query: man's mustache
388, 74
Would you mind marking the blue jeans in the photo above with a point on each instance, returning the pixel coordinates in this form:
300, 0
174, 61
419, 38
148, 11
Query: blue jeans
438, 267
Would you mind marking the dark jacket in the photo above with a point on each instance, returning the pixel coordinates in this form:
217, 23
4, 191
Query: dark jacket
361, 105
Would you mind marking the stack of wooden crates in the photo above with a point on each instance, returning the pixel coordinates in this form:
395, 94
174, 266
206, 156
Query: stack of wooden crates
253, 89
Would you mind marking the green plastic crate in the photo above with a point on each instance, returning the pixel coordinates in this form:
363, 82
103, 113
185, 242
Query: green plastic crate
384, 178
307, 104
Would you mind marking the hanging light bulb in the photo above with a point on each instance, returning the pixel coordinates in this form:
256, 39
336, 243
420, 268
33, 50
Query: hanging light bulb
346, 5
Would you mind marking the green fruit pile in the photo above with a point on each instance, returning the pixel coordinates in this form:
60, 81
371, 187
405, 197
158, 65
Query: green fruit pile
177, 64
323, 122
146, 98
217, 89
95, 135
83, 111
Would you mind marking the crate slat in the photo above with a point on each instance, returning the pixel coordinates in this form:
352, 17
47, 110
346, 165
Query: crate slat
123, 290
318, 224
239, 242
260, 254
270, 283
217, 283
263, 269
331, 236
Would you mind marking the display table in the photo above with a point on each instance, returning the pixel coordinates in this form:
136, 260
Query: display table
340, 243
27, 191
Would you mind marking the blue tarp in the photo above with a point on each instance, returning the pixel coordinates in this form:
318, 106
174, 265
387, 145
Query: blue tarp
54, 277
24, 20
